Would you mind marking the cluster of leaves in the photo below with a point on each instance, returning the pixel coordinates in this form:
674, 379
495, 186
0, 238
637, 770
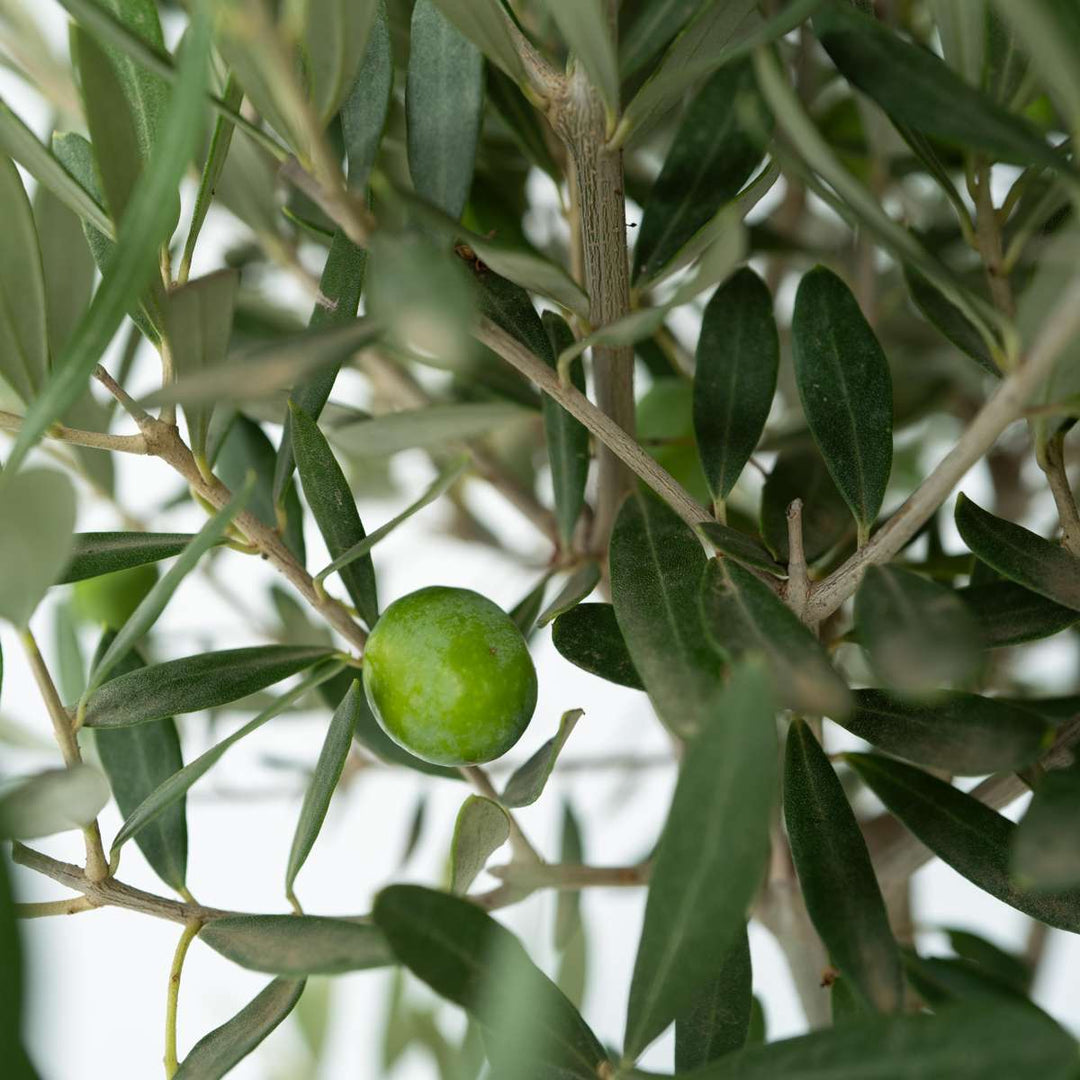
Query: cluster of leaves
398, 139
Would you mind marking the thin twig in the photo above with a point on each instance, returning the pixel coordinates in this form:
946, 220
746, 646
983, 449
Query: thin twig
172, 998
1051, 457
95, 440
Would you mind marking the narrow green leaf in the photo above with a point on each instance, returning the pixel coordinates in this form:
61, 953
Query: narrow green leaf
589, 637
917, 633
176, 786
1020, 555
204, 681
801, 474
198, 322
37, 524
567, 439
442, 483
981, 1041
525, 612
584, 27
941, 312
334, 41
579, 585
215, 1054
741, 547
527, 782
918, 88
70, 664
444, 101
846, 392
1046, 850
95, 554
137, 760
656, 566
53, 801
738, 354
364, 111
718, 1019
486, 24
950, 980
324, 780
331, 501
711, 857
996, 961
482, 826
297, 945
715, 151
454, 947
146, 225
743, 615
963, 832
523, 122
646, 29
1008, 614
963, 734
24, 340
837, 879
156, 600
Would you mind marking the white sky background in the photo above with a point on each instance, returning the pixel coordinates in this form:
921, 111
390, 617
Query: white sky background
98, 980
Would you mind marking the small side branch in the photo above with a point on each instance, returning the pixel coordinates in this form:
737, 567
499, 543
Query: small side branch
797, 590
95, 440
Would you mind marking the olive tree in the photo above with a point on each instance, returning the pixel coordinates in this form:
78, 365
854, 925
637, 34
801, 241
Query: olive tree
826, 243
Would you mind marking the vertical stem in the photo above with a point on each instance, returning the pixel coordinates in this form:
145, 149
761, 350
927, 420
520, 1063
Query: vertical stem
797, 592
1051, 457
173, 996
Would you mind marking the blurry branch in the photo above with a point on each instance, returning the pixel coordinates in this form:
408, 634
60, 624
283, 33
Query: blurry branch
1005, 406
96, 440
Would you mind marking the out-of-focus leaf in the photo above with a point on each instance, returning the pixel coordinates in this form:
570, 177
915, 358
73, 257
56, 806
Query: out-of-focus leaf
1008, 614
647, 28
331, 501
524, 613
846, 392
963, 832
70, 663
95, 554
24, 339
569, 931
297, 945
485, 23
711, 856
963, 734
741, 547
949, 980
215, 1054
837, 879
335, 38
713, 155
801, 474
1046, 845
717, 1021
481, 827
137, 760
738, 354
941, 312
578, 586
526, 785
204, 681
1020, 555
11, 982
993, 959
364, 111
454, 947
198, 322
53, 801
656, 566
589, 637
742, 615
324, 780
916, 87
524, 123
584, 27
444, 100
37, 525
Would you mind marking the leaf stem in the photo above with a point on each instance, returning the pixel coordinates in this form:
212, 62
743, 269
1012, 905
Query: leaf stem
191, 930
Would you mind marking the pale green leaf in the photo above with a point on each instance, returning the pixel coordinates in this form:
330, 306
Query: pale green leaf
482, 826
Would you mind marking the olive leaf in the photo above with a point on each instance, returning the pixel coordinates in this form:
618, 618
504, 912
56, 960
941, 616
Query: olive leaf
100, 553
53, 801
579, 585
526, 783
588, 635
482, 826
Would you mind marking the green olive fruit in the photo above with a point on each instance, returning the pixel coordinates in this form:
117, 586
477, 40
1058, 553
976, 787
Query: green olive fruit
449, 676
111, 598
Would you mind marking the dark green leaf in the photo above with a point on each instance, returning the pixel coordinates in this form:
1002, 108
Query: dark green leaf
916, 87
949, 980
742, 615
526, 785
837, 879
999, 963
482, 826
216, 1053
522, 120
324, 780
331, 501
204, 681
963, 734
1008, 614
1020, 555
579, 585
965, 833
844, 384
801, 474
444, 100
589, 637
711, 857
713, 155
918, 633
454, 947
738, 353
137, 760
939, 310
1046, 846
741, 547
717, 1021
656, 567
297, 945
104, 553
364, 111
